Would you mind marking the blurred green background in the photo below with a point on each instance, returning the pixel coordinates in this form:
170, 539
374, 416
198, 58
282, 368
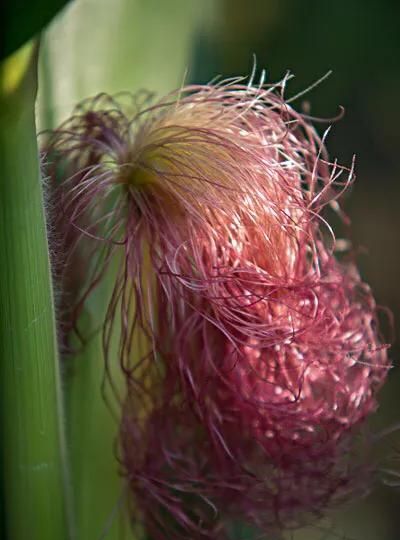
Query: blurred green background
113, 45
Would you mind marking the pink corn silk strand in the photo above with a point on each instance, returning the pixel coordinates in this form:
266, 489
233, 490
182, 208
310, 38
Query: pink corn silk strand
261, 352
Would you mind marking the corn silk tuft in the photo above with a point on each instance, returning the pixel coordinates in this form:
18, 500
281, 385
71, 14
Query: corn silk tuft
251, 353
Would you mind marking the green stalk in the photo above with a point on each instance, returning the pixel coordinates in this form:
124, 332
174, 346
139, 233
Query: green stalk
32, 444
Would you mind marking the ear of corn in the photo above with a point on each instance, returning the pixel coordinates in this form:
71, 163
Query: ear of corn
72, 68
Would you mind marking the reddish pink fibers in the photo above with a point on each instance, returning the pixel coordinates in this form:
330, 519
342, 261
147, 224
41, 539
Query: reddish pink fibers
251, 352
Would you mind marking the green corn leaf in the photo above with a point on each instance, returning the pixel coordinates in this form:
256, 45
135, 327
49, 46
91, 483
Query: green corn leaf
33, 476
